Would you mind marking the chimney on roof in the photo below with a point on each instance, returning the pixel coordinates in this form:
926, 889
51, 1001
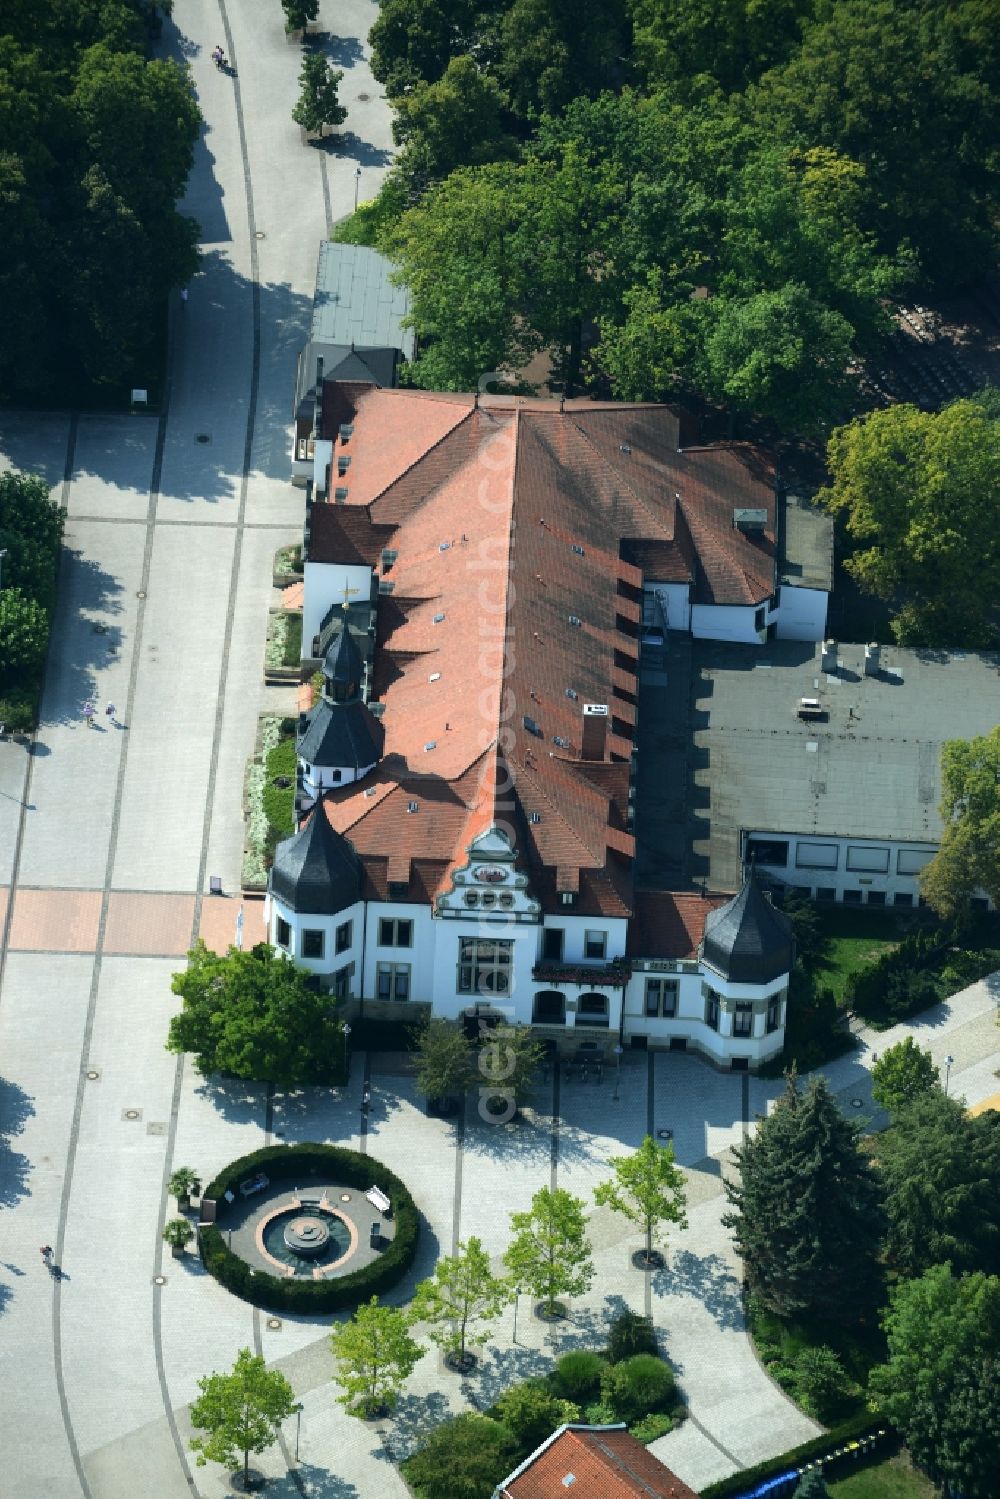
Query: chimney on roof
828, 657
595, 731
873, 659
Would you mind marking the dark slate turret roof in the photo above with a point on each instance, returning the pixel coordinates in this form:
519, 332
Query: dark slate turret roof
747, 940
316, 872
342, 663
341, 736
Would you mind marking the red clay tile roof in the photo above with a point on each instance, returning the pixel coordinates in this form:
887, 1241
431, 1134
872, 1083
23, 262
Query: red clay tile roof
669, 924
605, 1465
514, 604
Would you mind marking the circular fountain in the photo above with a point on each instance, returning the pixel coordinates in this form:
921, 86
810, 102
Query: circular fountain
306, 1235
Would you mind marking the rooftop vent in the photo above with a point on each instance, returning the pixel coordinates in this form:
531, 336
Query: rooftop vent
572, 693
340, 492
412, 806
578, 549
532, 727
624, 447
435, 676
575, 620
443, 546
431, 744
749, 520
534, 817
569, 1480
439, 619
370, 790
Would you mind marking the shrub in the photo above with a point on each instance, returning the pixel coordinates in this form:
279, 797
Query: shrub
637, 1386
630, 1333
577, 1376
822, 1383
296, 1162
653, 1426
18, 709
463, 1458
532, 1411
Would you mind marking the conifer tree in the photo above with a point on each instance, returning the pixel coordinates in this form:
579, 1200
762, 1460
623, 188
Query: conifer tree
808, 1215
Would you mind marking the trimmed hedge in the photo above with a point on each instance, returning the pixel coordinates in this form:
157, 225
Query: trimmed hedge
859, 1428
292, 1294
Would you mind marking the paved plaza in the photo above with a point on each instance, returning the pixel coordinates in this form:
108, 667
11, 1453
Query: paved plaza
109, 838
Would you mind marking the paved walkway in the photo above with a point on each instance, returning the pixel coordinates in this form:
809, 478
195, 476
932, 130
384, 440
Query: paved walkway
107, 841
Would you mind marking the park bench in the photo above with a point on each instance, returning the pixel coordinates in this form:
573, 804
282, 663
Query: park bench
253, 1184
378, 1199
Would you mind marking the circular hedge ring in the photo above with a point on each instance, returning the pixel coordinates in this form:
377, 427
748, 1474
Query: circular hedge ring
295, 1294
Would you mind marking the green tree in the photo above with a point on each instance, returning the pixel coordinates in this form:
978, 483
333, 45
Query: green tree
532, 1411
257, 1016
807, 1211
318, 103
461, 1301
28, 510
647, 1188
413, 41
375, 1357
112, 297
298, 13
178, 1233
732, 41
183, 1182
443, 1060
941, 1168
550, 1252
943, 1333
968, 858
902, 1074
550, 51
454, 122
508, 1061
463, 1458
917, 491
779, 354
24, 633
240, 1412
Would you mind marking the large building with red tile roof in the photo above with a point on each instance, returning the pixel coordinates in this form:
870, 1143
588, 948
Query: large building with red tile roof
592, 1462
479, 577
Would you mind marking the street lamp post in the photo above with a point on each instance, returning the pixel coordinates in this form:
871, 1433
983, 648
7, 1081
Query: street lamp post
619, 1050
357, 184
298, 1427
949, 1062
517, 1292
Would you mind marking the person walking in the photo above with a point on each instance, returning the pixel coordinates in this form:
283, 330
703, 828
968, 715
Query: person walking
110, 712
46, 1252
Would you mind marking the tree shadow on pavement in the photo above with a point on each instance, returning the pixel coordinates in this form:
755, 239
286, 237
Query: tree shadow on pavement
411, 1423
706, 1278
342, 51
348, 144
16, 1108
318, 1483
504, 1367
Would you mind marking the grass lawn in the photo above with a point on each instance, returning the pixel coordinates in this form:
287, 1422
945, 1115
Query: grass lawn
894, 1478
854, 937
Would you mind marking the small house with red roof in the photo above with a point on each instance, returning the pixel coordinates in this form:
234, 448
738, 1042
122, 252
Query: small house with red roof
592, 1462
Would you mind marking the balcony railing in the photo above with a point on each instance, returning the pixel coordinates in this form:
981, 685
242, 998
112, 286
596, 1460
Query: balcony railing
591, 975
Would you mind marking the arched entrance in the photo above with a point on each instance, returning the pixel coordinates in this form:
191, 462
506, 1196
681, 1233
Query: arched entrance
549, 1008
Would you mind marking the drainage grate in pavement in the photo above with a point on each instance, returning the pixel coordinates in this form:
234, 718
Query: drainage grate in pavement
99, 629
159, 1280
363, 98
93, 1074
259, 234
156, 1128
203, 437
274, 1323
131, 1115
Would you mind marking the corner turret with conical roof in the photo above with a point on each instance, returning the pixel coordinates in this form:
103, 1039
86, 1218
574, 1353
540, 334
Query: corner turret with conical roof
316, 872
747, 940
341, 739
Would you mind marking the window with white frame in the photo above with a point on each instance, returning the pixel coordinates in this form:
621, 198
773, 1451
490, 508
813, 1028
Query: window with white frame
313, 942
743, 1019
774, 1011
712, 1009
342, 982
484, 965
595, 944
282, 933
343, 941
661, 997
392, 981
395, 932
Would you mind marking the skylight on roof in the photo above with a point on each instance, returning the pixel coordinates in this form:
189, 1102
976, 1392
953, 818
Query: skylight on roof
431, 744
435, 676
562, 743
411, 806
578, 549
532, 727
624, 447
574, 620
438, 619
443, 546
572, 693
534, 817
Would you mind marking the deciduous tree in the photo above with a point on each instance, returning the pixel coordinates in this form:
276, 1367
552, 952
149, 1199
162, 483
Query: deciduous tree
444, 1061
463, 1458
807, 1210
532, 1411
941, 1170
240, 1412
939, 1386
901, 1074
375, 1356
461, 1301
507, 1065
455, 122
298, 13
24, 633
968, 858
319, 102
257, 1016
550, 1252
647, 1188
